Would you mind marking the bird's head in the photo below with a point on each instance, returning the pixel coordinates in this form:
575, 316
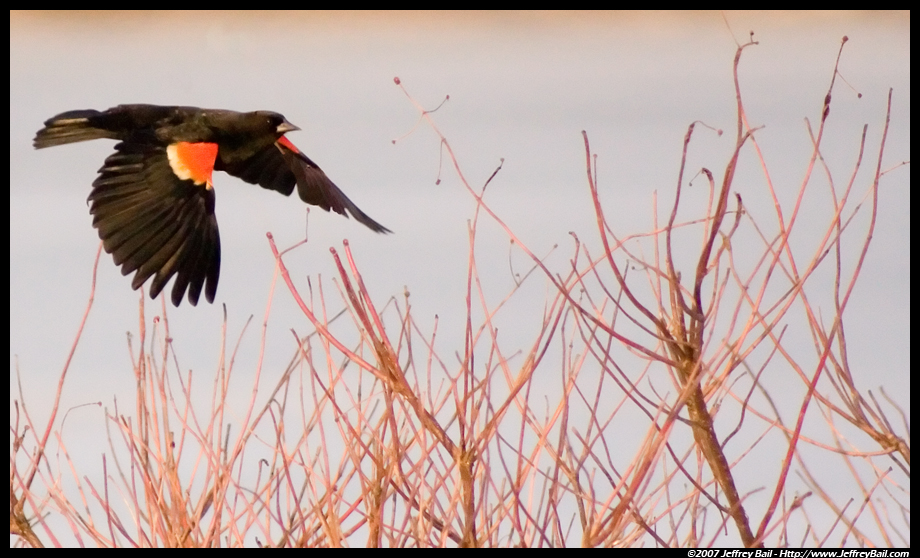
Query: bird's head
272, 121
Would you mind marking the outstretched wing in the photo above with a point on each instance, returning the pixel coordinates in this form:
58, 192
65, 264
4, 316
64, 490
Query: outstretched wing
281, 166
157, 219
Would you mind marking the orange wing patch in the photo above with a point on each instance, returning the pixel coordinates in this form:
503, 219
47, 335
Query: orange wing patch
193, 161
287, 143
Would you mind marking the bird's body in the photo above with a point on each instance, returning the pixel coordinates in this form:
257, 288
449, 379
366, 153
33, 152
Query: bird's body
153, 202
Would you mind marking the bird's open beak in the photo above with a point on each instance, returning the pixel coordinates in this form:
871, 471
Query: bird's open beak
286, 127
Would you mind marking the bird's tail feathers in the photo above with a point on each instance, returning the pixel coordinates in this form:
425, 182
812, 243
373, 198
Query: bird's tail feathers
70, 127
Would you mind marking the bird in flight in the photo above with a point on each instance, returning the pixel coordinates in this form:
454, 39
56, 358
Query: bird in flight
153, 201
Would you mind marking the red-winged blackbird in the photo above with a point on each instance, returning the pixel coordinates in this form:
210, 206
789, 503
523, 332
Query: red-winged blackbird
153, 202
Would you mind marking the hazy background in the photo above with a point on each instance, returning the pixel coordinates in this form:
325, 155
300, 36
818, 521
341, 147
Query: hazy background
521, 86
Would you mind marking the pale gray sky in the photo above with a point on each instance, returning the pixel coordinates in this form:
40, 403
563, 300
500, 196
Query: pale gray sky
521, 86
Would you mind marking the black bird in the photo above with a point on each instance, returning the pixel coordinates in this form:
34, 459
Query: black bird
153, 202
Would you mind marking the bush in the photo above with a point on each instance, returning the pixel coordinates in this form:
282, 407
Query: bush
631, 419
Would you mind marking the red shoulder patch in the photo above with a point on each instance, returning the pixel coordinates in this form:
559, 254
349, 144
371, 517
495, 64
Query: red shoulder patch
193, 161
287, 143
